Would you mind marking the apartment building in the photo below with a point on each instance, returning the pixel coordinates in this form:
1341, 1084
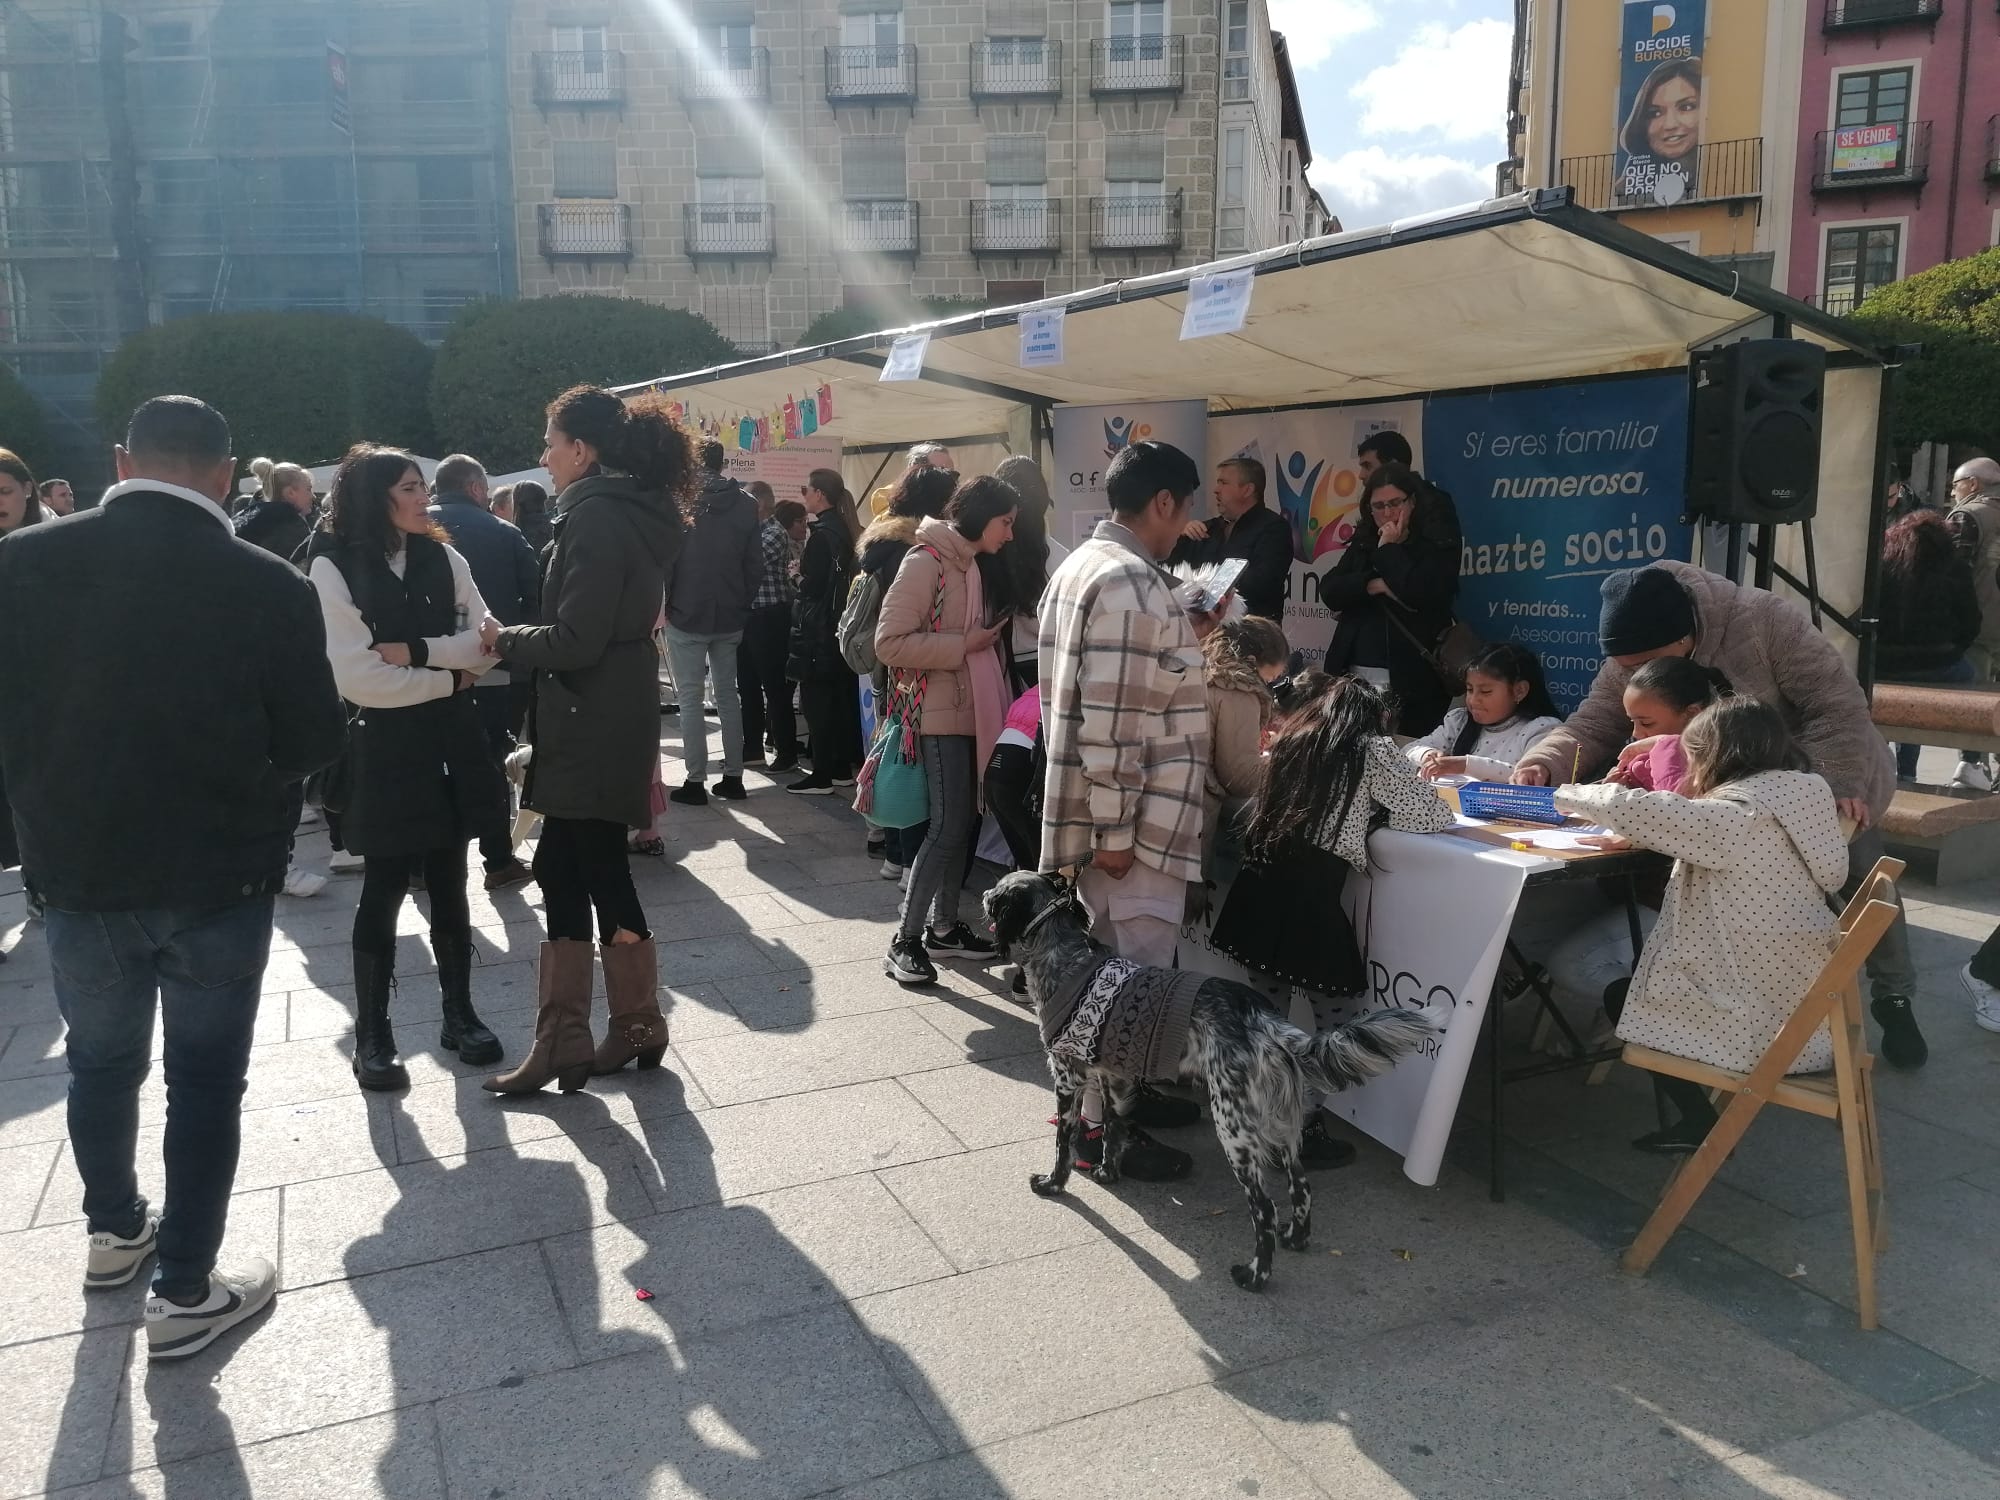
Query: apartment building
768, 161
1825, 147
161, 159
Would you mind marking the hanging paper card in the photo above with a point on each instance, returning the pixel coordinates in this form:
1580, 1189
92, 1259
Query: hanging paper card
746, 434
1217, 304
906, 357
825, 404
762, 430
808, 417
791, 418
1042, 337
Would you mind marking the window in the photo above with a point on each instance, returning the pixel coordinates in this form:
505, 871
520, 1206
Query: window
586, 169
579, 64
1229, 218
1871, 123
1024, 54
1236, 52
1880, 98
730, 43
1017, 159
871, 59
170, 39
872, 166
1858, 261
1136, 47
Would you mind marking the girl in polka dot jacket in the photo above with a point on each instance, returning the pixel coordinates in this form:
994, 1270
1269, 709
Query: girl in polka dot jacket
1745, 925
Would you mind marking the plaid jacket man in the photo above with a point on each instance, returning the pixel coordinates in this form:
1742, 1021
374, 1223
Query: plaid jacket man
775, 588
1124, 711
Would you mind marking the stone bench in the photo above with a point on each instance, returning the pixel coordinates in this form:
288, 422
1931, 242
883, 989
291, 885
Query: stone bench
1954, 837
1963, 718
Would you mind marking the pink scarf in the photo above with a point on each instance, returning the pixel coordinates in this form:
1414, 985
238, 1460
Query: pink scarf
989, 683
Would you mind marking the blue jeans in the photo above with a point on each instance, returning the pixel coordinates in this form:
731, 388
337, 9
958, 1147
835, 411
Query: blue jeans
1960, 671
205, 969
692, 658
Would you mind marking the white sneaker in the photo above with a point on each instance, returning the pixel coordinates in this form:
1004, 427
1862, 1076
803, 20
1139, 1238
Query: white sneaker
344, 863
175, 1332
311, 817
113, 1261
1973, 776
1985, 999
300, 881
891, 870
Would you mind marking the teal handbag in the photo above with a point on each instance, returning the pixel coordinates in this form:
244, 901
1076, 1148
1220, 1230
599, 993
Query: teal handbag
892, 790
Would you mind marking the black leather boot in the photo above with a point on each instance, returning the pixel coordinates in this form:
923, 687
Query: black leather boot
375, 1063
462, 1032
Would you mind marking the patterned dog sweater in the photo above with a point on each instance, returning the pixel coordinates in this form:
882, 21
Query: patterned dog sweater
1128, 1020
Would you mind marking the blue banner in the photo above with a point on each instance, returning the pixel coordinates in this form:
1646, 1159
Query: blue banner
1557, 487
1660, 101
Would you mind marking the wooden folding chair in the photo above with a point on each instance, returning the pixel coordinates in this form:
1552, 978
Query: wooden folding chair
1847, 1098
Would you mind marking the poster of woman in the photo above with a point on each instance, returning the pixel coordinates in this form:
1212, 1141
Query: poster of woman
1660, 99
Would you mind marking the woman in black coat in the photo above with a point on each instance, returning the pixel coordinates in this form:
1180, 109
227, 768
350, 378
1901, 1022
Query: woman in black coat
829, 692
624, 471
1394, 587
1929, 609
417, 781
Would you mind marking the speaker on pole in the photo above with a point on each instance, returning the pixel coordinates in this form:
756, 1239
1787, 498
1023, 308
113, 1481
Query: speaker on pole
1753, 431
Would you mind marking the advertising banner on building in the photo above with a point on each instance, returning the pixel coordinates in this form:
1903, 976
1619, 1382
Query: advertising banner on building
1867, 148
1311, 479
1556, 487
1660, 100
1087, 438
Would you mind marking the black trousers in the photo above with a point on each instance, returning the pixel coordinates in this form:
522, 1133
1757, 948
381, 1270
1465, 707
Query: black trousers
581, 865
763, 686
497, 714
385, 881
833, 719
1010, 777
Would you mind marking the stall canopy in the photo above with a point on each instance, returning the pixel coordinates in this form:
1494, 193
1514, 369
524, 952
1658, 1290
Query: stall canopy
1513, 291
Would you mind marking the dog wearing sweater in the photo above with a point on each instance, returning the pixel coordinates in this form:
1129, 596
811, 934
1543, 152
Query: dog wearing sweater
1117, 1023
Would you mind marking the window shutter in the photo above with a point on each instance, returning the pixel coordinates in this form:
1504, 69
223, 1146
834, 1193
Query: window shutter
586, 169
1017, 17
1016, 159
868, 7
1135, 157
725, 13
729, 156
871, 166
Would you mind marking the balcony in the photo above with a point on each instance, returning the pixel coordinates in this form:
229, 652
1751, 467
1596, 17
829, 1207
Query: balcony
586, 231
1138, 65
730, 231
1151, 223
1839, 302
30, 230
1725, 171
1020, 68
1993, 149
878, 226
871, 75
737, 73
1865, 156
573, 79
1002, 226
1851, 15
290, 227
429, 226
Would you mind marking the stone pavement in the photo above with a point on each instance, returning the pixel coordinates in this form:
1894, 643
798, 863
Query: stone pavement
854, 1293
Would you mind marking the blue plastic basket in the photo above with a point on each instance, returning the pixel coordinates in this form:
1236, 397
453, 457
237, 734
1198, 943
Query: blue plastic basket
1515, 804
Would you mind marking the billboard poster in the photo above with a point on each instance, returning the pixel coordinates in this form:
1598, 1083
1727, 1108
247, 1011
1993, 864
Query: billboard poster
1660, 100
1310, 478
1087, 438
1556, 487
1868, 148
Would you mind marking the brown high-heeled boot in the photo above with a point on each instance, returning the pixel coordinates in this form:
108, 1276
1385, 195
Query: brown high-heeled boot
562, 1048
632, 986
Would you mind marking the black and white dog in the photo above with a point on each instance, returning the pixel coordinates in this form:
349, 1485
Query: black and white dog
1256, 1064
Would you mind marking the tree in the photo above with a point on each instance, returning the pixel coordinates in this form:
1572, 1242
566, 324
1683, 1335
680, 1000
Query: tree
23, 429
503, 362
297, 387
1951, 394
852, 322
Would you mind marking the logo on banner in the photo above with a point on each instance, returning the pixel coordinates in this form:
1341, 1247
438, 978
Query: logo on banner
1319, 500
1121, 432
1663, 19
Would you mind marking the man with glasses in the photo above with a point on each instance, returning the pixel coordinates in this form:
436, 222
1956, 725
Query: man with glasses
1975, 525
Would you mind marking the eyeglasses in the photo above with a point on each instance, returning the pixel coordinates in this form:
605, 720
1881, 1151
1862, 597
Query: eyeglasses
1387, 507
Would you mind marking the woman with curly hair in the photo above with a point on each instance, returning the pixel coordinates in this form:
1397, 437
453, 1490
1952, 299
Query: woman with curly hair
623, 471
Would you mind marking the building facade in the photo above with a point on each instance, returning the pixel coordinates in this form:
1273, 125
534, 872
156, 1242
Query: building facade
1825, 147
160, 159
766, 163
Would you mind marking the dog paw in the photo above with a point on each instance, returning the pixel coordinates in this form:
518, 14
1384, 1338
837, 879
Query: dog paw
1104, 1174
1044, 1185
1249, 1278
1294, 1241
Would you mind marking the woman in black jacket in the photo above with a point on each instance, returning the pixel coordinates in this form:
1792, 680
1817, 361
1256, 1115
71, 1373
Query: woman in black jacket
417, 781
624, 472
1930, 612
1393, 588
829, 692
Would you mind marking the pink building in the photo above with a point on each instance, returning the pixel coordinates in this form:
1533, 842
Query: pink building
1898, 162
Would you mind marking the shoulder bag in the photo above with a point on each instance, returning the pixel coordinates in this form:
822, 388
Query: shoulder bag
892, 790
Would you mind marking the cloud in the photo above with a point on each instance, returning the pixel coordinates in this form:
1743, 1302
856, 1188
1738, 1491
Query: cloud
1374, 186
1449, 82
1311, 27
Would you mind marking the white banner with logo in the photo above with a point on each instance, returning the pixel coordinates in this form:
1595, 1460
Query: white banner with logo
785, 468
1432, 916
1087, 438
1310, 478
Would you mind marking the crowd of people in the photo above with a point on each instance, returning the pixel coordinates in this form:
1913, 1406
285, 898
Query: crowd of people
385, 658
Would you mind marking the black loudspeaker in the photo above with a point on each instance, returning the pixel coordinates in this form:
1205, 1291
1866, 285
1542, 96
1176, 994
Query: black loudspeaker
1753, 431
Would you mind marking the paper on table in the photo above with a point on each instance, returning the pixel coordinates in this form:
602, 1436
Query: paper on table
1565, 838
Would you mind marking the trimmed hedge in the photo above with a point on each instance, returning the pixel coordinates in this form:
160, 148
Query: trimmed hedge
23, 428
1952, 394
503, 362
299, 387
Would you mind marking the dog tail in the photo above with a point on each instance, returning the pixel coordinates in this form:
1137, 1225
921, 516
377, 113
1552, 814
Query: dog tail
1360, 1050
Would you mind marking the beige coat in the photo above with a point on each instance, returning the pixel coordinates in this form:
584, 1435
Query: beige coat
1745, 925
903, 635
1768, 649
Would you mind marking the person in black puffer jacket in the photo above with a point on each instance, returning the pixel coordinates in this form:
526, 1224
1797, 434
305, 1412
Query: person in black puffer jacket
281, 520
829, 692
417, 782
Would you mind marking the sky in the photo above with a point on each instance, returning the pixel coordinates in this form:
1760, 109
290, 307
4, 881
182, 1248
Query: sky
1405, 100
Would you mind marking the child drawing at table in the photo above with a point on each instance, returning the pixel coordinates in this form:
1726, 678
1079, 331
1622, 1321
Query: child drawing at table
1507, 709
1331, 777
1241, 658
1757, 848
